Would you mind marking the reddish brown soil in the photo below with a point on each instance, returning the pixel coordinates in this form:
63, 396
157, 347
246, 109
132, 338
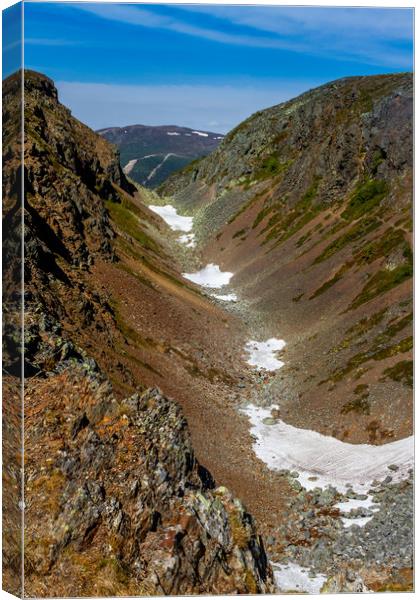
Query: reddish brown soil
278, 283
192, 352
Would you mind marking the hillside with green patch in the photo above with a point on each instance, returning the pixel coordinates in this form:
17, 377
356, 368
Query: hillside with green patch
309, 203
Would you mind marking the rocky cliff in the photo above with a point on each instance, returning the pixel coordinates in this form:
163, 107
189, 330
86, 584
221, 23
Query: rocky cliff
309, 204
115, 501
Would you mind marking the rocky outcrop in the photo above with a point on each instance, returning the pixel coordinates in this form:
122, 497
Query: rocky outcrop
114, 496
12, 335
116, 499
336, 132
70, 169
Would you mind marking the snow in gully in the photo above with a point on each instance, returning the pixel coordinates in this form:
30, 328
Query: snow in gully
320, 460
210, 277
176, 222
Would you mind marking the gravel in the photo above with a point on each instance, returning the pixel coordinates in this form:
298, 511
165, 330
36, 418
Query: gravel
315, 537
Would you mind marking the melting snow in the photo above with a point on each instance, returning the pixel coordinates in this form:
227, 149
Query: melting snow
294, 578
331, 461
170, 215
172, 133
210, 276
263, 354
176, 222
201, 133
188, 239
354, 504
226, 297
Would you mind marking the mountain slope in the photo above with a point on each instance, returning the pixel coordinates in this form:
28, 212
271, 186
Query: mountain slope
150, 154
114, 496
309, 204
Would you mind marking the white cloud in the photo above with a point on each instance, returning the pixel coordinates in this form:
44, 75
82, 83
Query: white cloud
52, 42
195, 106
145, 18
357, 34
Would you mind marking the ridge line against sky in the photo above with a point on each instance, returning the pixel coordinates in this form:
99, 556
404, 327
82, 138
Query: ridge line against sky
205, 66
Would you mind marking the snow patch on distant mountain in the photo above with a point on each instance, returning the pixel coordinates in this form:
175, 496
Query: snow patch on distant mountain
130, 166
201, 133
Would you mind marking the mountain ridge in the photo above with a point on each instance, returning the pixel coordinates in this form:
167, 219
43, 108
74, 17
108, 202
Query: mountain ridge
149, 153
308, 209
309, 204
114, 494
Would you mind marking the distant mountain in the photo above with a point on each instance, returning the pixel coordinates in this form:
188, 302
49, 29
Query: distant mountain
150, 154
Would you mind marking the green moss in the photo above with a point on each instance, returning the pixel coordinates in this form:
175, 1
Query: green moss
142, 364
402, 371
245, 207
127, 221
282, 226
328, 284
303, 239
382, 247
269, 168
373, 354
408, 224
240, 233
264, 213
404, 345
360, 330
127, 331
135, 274
394, 327
297, 298
381, 282
366, 196
360, 404
378, 158
365, 325
356, 232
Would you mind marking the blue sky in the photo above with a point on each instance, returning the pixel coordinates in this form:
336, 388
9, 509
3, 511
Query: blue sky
201, 65
12, 39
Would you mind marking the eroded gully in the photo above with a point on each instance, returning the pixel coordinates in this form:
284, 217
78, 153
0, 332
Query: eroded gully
341, 490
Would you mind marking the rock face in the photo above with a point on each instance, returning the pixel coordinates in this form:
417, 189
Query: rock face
335, 132
71, 169
12, 337
115, 501
309, 204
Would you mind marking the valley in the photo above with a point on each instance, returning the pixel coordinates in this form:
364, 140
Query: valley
347, 480
239, 339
